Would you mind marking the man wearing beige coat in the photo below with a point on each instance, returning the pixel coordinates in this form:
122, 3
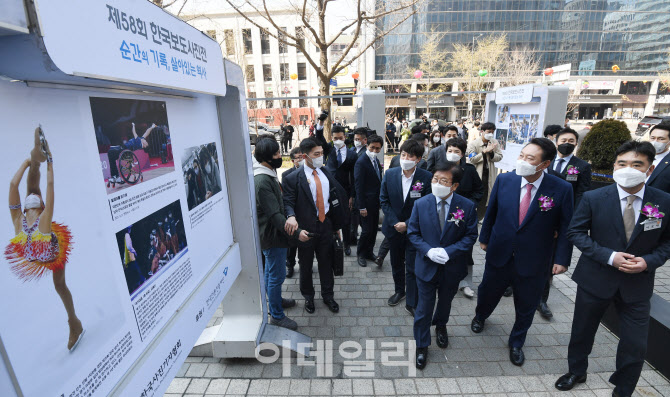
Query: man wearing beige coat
483, 153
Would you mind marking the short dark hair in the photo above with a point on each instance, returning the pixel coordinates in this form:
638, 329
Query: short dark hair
425, 126
552, 129
452, 128
374, 138
419, 137
412, 147
665, 126
361, 131
487, 126
453, 168
477, 123
417, 129
644, 148
547, 146
295, 151
336, 129
307, 144
265, 149
566, 131
457, 143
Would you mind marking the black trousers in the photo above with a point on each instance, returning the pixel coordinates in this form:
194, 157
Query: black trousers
366, 242
322, 247
403, 255
446, 288
290, 256
547, 288
355, 221
384, 248
633, 333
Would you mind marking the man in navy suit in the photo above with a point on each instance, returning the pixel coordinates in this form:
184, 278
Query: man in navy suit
443, 229
659, 136
526, 208
360, 148
623, 241
401, 187
341, 162
367, 181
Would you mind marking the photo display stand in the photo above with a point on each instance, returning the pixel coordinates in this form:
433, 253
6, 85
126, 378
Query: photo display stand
521, 113
131, 211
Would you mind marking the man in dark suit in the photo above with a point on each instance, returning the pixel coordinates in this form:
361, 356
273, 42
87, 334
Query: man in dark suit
341, 162
443, 229
659, 136
575, 171
311, 201
360, 148
296, 157
472, 189
423, 164
526, 208
438, 156
367, 181
623, 242
390, 136
401, 187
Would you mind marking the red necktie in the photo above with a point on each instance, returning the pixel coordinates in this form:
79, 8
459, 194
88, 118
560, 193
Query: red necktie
525, 203
319, 197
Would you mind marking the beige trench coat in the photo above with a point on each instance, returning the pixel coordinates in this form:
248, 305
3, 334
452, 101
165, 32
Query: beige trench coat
476, 147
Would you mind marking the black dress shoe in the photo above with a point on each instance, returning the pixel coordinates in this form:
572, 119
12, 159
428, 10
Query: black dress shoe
289, 271
362, 262
477, 325
396, 298
516, 356
332, 305
508, 292
421, 357
442, 337
379, 261
371, 257
544, 311
409, 309
568, 381
309, 306
347, 250
287, 303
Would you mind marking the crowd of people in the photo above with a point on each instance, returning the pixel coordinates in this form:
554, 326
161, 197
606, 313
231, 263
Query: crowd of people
441, 194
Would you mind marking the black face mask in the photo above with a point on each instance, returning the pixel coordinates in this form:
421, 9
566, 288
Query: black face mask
275, 163
566, 148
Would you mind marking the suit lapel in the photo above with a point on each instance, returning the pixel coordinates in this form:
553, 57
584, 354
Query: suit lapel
455, 205
657, 171
304, 183
614, 208
638, 225
516, 195
534, 206
433, 214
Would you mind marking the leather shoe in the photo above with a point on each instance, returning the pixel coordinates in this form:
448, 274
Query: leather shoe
289, 271
544, 311
362, 262
421, 357
516, 356
332, 305
371, 257
442, 337
409, 309
477, 325
508, 292
309, 306
347, 250
616, 394
568, 381
396, 298
379, 261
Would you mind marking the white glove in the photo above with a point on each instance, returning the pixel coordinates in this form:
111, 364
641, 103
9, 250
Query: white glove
438, 255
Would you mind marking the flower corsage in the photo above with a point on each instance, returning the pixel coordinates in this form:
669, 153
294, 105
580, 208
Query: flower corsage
546, 203
457, 216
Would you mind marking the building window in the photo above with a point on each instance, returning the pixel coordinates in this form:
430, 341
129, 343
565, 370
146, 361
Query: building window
212, 34
252, 104
269, 103
283, 48
300, 35
267, 72
286, 103
265, 42
229, 39
302, 71
283, 71
246, 38
302, 102
251, 75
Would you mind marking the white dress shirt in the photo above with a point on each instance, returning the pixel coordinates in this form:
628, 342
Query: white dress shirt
343, 153
535, 184
564, 164
406, 183
637, 207
325, 187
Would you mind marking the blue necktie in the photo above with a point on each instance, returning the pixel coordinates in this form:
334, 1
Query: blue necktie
339, 157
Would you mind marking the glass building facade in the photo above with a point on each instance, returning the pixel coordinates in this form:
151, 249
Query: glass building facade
592, 35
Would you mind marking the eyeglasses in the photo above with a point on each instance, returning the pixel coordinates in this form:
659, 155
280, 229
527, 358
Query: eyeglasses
443, 181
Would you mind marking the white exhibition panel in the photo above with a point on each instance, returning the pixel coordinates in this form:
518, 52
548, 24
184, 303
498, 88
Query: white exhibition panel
130, 41
120, 324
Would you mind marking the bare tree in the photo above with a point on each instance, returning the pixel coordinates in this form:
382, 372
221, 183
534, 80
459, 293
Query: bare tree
664, 75
313, 15
518, 67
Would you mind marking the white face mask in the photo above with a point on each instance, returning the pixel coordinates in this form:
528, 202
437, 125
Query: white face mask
524, 168
440, 191
407, 164
659, 146
488, 137
436, 139
370, 154
453, 157
629, 177
358, 144
33, 201
338, 144
317, 162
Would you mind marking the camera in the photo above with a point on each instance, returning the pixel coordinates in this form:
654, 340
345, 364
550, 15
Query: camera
323, 116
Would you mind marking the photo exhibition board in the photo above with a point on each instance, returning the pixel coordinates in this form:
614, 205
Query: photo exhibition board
516, 124
133, 240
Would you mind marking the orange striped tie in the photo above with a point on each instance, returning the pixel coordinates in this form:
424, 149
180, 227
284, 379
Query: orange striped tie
319, 197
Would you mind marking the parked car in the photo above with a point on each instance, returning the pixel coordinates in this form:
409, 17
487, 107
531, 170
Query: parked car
647, 122
262, 129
